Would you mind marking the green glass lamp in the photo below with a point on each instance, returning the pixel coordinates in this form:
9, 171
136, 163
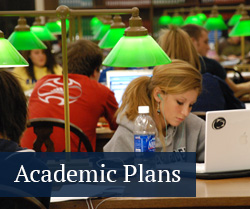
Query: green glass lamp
136, 48
95, 21
53, 26
24, 39
177, 19
242, 29
116, 31
95, 24
215, 21
58, 22
200, 14
41, 31
202, 17
236, 17
10, 57
193, 19
165, 19
107, 21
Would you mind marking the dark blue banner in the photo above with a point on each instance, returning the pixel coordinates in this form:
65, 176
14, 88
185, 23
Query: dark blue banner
98, 174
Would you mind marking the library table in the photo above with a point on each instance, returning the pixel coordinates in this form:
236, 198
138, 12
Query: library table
219, 193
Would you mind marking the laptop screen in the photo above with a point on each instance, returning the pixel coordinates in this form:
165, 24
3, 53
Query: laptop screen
118, 80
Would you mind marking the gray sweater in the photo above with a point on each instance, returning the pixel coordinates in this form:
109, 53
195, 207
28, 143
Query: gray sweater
188, 137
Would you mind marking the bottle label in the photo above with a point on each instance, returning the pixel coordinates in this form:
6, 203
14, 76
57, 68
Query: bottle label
144, 143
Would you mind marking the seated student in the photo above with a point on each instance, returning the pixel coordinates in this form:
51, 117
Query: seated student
199, 36
216, 94
231, 46
13, 108
41, 62
170, 94
89, 100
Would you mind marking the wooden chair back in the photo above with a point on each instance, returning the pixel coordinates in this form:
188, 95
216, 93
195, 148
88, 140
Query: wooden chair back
43, 128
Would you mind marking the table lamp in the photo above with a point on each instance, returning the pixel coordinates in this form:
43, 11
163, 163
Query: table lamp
95, 24
193, 19
242, 29
200, 14
107, 21
10, 57
236, 17
136, 48
53, 26
42, 32
24, 39
58, 22
165, 19
116, 31
177, 19
215, 22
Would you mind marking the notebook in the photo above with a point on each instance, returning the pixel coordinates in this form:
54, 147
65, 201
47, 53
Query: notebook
227, 142
118, 80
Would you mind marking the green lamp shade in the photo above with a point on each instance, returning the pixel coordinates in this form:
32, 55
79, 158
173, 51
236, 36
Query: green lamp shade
220, 16
10, 57
215, 23
193, 20
101, 32
94, 21
242, 28
111, 38
177, 20
202, 17
136, 51
53, 27
26, 40
165, 20
43, 33
58, 22
234, 19
95, 24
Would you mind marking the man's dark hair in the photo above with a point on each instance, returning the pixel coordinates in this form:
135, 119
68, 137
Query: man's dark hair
84, 57
13, 107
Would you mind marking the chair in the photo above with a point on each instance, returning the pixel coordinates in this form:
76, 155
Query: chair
237, 76
14, 198
201, 114
21, 203
43, 128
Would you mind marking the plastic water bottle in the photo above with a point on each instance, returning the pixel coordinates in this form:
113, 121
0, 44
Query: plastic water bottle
144, 131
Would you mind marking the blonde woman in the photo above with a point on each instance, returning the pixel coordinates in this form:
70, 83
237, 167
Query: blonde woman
178, 45
170, 93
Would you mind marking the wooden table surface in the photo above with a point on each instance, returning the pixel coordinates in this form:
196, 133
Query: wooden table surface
103, 135
229, 193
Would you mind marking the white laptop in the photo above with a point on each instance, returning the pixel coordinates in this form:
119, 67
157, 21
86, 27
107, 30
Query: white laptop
118, 80
227, 142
